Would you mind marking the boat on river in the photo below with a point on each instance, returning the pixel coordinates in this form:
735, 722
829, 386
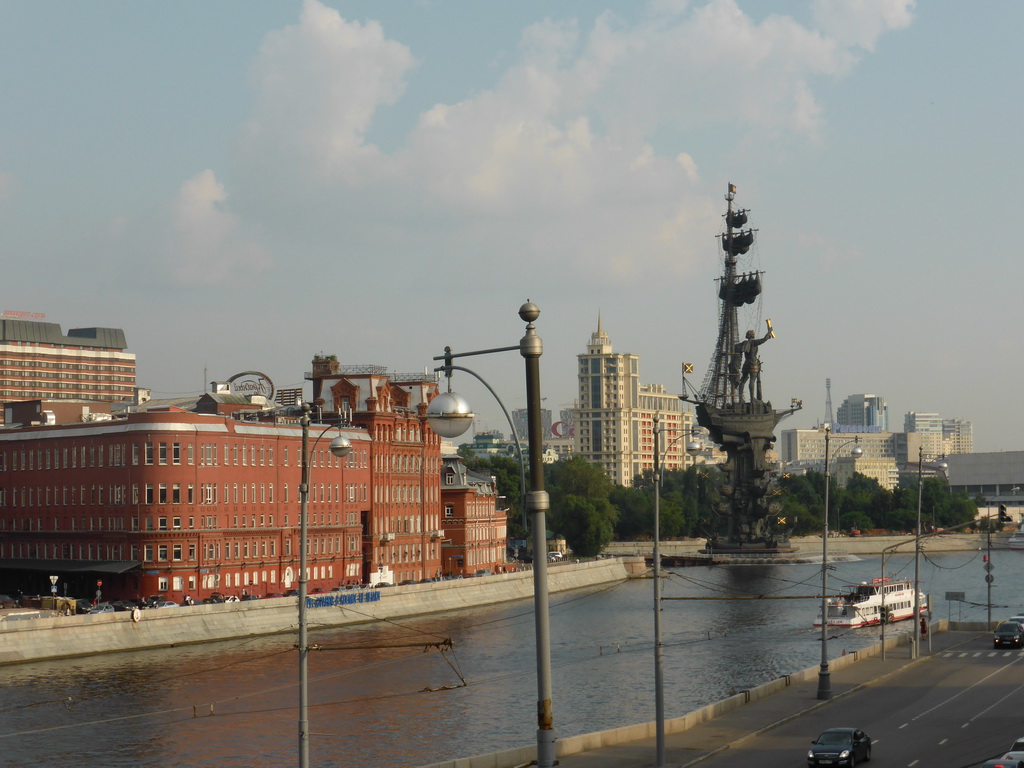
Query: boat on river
1017, 539
867, 603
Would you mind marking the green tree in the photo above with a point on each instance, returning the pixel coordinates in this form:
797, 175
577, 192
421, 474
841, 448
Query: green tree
587, 524
580, 506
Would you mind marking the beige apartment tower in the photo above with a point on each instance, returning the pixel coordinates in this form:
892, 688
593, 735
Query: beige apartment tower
614, 420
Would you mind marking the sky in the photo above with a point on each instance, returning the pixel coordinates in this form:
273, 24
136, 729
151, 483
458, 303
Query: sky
242, 184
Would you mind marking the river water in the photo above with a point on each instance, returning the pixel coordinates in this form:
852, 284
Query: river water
381, 696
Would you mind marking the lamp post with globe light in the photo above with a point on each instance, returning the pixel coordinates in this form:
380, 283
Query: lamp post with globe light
824, 674
659, 685
449, 415
340, 446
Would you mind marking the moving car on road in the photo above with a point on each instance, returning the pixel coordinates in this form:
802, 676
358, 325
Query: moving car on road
1008, 633
839, 746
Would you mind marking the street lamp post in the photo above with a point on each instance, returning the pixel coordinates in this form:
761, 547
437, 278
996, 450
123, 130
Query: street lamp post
916, 647
449, 415
659, 678
340, 446
824, 674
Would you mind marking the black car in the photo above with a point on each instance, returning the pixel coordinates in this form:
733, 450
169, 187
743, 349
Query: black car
1008, 633
839, 746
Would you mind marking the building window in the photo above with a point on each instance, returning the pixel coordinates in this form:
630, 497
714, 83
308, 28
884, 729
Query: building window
162, 523
161, 552
149, 453
176, 453
163, 453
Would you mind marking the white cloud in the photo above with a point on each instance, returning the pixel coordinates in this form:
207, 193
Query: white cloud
319, 84
556, 157
206, 246
861, 22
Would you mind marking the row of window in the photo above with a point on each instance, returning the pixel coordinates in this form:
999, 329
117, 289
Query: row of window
39, 363
174, 493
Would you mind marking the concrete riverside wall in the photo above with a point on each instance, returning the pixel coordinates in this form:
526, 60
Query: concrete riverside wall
522, 756
38, 639
811, 545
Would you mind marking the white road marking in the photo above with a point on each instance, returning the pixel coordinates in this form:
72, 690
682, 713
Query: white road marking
964, 690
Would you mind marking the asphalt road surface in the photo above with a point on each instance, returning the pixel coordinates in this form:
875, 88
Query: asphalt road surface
957, 708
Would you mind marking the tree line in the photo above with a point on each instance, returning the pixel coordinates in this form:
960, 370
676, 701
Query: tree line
590, 511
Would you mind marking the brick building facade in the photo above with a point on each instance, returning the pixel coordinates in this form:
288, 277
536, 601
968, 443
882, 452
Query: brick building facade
475, 530
181, 502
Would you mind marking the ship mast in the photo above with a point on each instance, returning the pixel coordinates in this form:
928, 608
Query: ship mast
720, 381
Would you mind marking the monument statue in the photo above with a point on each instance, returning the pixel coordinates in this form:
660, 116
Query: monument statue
744, 428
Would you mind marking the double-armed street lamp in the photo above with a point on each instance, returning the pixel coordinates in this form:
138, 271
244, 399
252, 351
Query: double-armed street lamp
659, 683
824, 674
340, 446
449, 415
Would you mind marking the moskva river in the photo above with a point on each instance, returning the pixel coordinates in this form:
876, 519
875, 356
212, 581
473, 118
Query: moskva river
386, 694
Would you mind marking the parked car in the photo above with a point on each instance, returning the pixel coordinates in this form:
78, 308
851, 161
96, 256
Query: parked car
839, 746
232, 599
166, 604
1008, 633
275, 594
250, 597
1002, 763
6, 601
291, 593
103, 608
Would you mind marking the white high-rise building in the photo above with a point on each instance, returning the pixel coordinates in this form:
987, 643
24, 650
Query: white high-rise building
614, 421
929, 427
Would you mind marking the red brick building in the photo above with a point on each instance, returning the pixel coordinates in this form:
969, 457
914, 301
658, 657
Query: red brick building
402, 525
187, 502
475, 530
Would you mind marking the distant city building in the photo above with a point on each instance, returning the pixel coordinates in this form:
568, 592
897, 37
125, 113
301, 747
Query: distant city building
864, 411
929, 427
957, 437
39, 362
998, 477
614, 420
490, 443
804, 449
520, 419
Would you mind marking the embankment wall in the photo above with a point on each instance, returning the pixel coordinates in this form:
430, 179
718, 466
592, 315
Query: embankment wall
811, 545
58, 637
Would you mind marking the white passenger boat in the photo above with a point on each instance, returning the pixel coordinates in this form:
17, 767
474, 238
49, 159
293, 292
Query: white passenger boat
1017, 539
866, 603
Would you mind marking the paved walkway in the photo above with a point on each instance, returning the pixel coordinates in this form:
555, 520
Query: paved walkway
714, 736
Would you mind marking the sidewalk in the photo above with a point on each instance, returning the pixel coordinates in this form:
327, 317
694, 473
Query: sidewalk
718, 734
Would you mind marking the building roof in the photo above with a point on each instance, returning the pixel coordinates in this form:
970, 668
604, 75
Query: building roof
50, 333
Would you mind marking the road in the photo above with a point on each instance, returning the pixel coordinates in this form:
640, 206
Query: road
958, 708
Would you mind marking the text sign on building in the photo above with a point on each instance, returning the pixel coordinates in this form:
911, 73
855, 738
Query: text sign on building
252, 383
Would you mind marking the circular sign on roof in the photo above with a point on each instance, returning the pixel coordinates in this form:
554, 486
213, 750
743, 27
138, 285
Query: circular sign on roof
252, 383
